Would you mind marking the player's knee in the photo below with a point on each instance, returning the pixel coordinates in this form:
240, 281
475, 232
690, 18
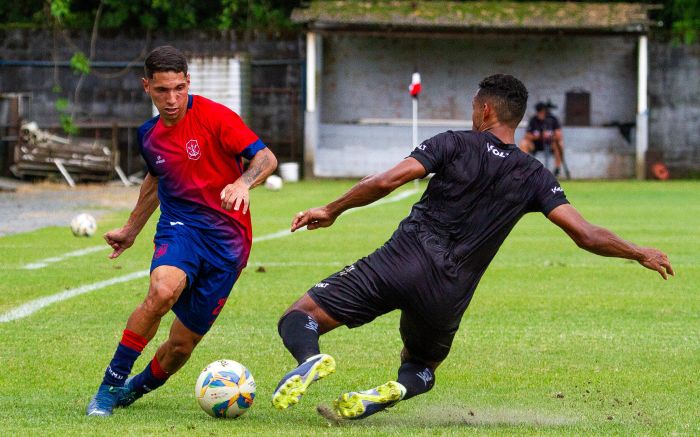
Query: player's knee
161, 297
180, 351
296, 317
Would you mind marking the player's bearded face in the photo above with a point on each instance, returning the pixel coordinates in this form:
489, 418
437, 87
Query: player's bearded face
168, 91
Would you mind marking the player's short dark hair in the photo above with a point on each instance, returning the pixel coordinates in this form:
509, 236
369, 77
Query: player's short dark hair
540, 106
164, 58
508, 96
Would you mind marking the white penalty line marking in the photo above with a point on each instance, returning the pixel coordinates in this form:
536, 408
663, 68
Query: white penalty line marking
35, 305
396, 198
295, 264
283, 233
46, 261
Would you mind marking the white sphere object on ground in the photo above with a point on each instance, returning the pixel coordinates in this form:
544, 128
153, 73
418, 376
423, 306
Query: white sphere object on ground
83, 225
273, 183
225, 389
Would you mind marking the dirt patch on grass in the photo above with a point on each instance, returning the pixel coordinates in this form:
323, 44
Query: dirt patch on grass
34, 206
456, 415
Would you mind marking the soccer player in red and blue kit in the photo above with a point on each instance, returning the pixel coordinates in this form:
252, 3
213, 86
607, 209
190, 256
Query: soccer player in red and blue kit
194, 151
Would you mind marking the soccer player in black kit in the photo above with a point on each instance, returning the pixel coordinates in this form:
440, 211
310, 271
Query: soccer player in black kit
482, 185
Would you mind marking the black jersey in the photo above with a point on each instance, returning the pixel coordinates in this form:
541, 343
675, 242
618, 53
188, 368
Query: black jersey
432, 264
481, 188
543, 130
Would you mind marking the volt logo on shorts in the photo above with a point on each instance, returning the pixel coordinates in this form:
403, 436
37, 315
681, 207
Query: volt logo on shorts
160, 251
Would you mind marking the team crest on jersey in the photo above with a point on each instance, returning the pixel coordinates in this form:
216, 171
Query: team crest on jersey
193, 151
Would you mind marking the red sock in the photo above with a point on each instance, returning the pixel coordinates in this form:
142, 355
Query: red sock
158, 371
133, 340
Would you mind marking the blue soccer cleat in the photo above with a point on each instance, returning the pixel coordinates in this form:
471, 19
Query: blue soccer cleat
294, 384
127, 395
359, 405
104, 401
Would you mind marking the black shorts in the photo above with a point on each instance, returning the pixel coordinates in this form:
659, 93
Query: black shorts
405, 274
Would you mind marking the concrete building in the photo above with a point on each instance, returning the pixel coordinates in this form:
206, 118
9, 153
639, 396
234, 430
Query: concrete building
589, 59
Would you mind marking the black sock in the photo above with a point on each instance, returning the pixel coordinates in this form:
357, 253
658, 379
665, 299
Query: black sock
416, 377
299, 332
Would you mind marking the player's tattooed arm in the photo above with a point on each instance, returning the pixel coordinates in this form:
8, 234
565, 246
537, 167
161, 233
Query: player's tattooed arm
368, 190
122, 238
603, 242
252, 176
237, 194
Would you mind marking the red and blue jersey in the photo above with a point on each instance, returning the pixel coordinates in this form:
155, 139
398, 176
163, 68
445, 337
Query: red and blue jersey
194, 160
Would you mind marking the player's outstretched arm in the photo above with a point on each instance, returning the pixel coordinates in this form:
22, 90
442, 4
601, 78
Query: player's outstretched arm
368, 190
605, 243
124, 237
238, 193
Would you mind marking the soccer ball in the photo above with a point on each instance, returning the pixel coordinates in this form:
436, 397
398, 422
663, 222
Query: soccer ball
273, 183
225, 388
83, 225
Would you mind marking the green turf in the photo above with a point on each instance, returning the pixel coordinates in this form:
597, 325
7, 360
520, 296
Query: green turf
556, 341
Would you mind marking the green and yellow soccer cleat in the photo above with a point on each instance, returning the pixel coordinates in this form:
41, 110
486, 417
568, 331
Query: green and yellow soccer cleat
359, 405
294, 384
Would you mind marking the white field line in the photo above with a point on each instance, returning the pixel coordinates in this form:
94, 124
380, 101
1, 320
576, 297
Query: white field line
294, 264
35, 305
283, 233
46, 261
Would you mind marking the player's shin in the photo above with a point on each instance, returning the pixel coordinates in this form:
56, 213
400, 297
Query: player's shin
299, 332
416, 377
128, 350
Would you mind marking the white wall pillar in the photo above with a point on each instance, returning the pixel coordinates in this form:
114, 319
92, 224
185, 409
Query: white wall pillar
642, 134
312, 118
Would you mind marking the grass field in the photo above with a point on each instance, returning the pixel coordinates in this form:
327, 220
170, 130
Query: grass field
556, 341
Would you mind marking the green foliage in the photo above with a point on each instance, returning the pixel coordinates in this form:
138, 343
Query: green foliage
80, 63
62, 104
238, 15
228, 12
67, 124
60, 9
681, 17
686, 22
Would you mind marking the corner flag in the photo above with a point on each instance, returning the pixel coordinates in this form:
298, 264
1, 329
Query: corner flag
415, 88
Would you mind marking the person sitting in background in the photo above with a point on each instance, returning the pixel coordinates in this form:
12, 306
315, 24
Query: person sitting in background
543, 137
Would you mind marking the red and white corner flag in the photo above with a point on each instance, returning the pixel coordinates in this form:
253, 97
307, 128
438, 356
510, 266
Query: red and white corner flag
414, 88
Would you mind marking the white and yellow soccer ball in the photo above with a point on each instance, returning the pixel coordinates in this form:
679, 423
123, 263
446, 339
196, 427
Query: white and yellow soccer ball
83, 225
273, 183
225, 389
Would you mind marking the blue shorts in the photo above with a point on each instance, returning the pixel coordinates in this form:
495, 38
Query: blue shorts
207, 287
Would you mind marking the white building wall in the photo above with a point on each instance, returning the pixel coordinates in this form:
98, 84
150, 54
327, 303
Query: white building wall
365, 82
